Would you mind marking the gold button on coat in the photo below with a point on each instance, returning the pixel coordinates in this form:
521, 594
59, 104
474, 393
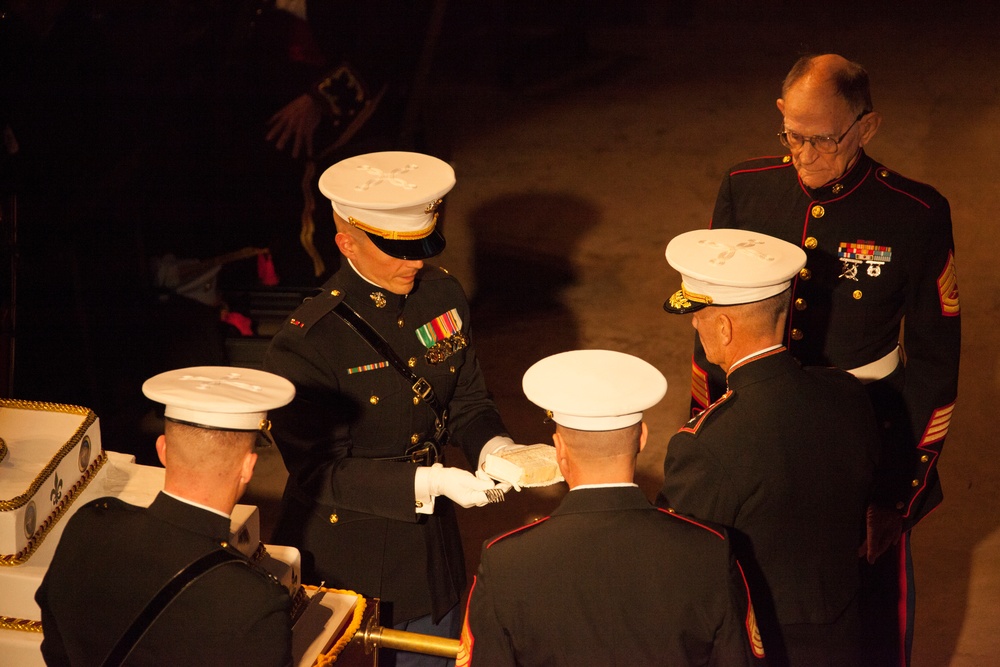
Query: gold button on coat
797, 334
915, 482
805, 273
800, 304
411, 362
818, 211
857, 294
334, 518
415, 438
373, 400
923, 459
811, 242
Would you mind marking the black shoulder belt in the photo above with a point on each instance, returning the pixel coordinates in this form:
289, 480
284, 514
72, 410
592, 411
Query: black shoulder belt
177, 584
422, 389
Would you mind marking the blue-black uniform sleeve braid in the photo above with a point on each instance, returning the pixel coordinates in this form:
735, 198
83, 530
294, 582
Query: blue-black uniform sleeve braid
932, 342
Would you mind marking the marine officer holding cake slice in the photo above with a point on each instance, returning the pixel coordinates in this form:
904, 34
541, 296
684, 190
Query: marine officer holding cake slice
785, 457
607, 579
386, 374
162, 586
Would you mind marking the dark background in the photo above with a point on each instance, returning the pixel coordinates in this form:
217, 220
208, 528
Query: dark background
584, 136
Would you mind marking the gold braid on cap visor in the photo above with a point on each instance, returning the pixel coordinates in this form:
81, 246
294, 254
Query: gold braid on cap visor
684, 297
392, 235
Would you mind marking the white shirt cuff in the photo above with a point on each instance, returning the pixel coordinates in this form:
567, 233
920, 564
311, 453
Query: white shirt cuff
423, 500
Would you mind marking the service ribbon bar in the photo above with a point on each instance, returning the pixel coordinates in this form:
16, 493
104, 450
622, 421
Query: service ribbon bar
367, 367
866, 251
441, 327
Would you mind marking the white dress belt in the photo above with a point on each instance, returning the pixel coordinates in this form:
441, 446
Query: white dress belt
877, 369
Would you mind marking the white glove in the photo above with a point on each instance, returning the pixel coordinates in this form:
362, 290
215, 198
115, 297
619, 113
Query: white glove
461, 486
511, 474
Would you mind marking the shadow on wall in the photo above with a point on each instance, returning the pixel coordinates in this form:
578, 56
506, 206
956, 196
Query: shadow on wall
523, 259
524, 246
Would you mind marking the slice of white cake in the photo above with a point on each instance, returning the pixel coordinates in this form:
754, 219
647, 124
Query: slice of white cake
533, 465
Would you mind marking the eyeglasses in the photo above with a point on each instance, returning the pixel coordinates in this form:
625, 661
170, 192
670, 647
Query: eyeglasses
827, 144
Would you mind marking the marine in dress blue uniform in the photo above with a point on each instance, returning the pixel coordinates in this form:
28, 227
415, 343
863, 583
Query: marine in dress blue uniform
880, 253
114, 557
365, 515
785, 457
606, 579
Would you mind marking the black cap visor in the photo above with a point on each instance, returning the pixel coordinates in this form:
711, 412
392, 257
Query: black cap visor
429, 246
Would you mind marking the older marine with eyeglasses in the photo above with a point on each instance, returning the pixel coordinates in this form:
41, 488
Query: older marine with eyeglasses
822, 143
880, 253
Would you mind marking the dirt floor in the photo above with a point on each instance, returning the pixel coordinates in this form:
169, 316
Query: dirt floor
575, 169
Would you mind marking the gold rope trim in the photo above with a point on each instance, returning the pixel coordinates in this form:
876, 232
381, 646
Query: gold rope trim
694, 296
330, 656
392, 235
89, 418
35, 541
11, 623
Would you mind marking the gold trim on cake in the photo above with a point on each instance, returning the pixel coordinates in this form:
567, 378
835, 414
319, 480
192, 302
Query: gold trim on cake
89, 418
35, 540
11, 623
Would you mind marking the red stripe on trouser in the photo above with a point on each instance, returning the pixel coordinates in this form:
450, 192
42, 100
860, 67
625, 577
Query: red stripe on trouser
903, 615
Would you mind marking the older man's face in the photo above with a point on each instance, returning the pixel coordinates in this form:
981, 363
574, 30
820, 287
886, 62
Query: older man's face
812, 109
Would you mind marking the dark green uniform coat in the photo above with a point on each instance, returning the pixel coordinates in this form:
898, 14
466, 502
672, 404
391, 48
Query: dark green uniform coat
352, 516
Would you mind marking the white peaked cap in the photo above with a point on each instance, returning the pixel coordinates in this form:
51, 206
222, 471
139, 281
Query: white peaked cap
222, 397
594, 390
393, 196
725, 267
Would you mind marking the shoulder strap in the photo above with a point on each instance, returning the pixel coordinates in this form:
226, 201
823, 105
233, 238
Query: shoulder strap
177, 584
420, 386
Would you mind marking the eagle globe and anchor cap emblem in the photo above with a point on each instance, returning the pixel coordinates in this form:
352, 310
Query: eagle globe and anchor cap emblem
725, 267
